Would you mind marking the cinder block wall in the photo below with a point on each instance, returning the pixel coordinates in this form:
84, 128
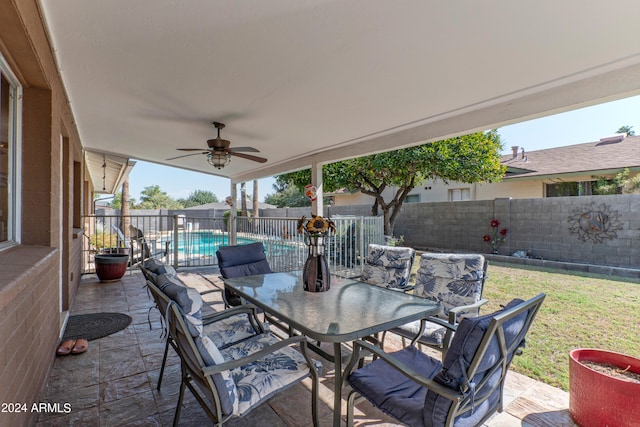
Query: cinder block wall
548, 228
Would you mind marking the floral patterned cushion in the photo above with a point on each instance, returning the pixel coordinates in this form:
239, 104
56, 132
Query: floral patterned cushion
231, 330
259, 380
452, 280
388, 266
223, 381
433, 333
223, 332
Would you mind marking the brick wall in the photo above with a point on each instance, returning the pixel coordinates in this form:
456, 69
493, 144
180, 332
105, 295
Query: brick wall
29, 326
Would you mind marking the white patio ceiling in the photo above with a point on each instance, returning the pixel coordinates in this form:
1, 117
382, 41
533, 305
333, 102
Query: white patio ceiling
322, 80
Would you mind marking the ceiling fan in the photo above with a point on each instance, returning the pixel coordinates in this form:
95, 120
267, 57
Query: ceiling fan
219, 152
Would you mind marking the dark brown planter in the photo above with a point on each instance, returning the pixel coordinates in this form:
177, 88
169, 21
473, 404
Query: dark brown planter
598, 399
111, 267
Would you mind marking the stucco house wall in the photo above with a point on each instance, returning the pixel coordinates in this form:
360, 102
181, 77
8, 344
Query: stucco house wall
524, 189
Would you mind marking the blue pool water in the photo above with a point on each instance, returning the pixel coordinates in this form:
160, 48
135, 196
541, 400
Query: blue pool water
205, 243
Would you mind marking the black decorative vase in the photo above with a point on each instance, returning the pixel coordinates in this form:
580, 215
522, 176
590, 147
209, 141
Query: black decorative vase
316, 275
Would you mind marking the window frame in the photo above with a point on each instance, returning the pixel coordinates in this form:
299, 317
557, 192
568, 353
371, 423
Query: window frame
461, 190
14, 151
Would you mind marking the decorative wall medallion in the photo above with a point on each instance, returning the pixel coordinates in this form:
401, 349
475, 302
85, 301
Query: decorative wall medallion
595, 224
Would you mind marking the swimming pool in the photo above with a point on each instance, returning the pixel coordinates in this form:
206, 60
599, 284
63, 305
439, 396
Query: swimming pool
204, 243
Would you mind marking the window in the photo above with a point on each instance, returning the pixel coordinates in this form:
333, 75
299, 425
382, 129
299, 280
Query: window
582, 188
9, 156
459, 194
412, 198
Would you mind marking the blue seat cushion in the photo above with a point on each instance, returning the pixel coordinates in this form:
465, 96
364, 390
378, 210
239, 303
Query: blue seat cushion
392, 392
464, 345
156, 267
243, 260
188, 299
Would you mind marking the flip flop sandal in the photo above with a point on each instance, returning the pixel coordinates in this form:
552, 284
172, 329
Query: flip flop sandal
66, 347
80, 347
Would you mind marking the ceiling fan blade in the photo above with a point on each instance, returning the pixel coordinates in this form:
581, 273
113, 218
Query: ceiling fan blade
187, 155
251, 149
248, 157
189, 149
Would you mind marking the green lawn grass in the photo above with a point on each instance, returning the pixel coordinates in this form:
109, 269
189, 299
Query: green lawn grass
580, 311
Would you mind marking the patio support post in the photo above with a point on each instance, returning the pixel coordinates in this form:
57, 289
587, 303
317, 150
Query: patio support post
316, 181
176, 241
232, 218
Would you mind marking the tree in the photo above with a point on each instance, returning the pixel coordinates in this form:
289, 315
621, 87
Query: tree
629, 184
116, 203
626, 129
286, 195
622, 183
470, 158
199, 197
154, 198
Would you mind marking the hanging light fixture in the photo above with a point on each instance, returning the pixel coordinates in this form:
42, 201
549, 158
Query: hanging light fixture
218, 159
219, 151
104, 172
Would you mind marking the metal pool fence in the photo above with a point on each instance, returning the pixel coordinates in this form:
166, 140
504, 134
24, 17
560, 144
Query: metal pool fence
184, 241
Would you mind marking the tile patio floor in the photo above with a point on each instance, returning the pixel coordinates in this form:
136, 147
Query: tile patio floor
114, 382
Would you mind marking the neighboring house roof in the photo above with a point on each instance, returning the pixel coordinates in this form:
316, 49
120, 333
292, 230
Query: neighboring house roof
223, 205
610, 154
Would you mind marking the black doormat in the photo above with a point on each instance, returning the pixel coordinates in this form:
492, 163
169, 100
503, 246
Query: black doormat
95, 325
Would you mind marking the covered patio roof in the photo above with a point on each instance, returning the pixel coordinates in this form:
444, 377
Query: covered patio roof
316, 81
107, 171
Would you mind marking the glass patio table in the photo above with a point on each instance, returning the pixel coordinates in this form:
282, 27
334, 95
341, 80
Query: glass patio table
348, 311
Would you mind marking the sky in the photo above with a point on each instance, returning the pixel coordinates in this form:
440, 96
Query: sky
574, 127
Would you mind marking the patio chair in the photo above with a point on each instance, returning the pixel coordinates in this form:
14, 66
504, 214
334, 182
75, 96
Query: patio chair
456, 281
139, 243
388, 266
231, 382
224, 328
238, 261
466, 389
245, 260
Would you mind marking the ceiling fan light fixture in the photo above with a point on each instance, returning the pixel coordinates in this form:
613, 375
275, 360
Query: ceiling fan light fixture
218, 159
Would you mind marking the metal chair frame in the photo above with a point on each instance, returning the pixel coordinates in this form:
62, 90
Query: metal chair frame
194, 367
463, 400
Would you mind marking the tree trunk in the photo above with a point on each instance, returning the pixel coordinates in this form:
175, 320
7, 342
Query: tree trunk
125, 219
388, 224
256, 213
243, 199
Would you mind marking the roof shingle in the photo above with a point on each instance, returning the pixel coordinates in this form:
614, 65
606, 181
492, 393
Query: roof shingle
588, 157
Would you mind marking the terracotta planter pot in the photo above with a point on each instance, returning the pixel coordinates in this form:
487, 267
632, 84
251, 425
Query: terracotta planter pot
597, 399
111, 267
